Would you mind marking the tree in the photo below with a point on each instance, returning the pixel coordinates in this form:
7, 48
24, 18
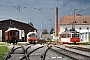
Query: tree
51, 31
31, 24
45, 31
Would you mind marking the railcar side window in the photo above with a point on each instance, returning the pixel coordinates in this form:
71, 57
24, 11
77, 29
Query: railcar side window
69, 35
77, 35
63, 35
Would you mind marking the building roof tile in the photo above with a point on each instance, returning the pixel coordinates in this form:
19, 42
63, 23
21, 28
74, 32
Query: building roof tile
79, 19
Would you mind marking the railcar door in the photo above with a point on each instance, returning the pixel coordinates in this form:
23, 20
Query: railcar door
64, 38
68, 37
13, 36
6, 36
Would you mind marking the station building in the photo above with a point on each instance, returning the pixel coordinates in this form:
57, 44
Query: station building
23, 28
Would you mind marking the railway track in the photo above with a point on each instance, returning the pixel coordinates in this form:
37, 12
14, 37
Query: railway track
79, 48
28, 54
55, 54
23, 52
43, 52
73, 53
52, 53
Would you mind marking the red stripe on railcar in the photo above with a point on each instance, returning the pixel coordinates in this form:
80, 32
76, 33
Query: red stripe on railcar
74, 39
32, 39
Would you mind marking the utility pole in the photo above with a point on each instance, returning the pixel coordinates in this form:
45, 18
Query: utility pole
73, 24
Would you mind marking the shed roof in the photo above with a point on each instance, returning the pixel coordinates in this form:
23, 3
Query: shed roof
10, 21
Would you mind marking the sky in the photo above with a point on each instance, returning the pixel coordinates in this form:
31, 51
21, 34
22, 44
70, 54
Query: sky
41, 12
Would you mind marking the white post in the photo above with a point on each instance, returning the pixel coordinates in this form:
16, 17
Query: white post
88, 34
41, 29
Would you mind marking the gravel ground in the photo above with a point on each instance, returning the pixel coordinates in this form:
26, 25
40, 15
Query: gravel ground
55, 56
50, 54
78, 51
85, 46
37, 54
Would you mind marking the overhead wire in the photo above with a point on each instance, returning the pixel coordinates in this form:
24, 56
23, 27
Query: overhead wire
84, 9
50, 20
12, 4
65, 4
81, 10
19, 9
41, 10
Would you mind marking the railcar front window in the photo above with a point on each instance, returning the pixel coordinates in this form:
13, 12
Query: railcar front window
29, 35
10, 33
75, 35
16, 33
32, 35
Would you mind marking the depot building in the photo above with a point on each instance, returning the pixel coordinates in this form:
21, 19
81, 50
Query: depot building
23, 28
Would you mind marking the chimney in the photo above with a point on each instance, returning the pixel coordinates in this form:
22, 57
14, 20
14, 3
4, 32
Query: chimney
56, 22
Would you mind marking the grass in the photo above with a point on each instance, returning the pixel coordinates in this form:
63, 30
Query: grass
4, 44
51, 41
3, 50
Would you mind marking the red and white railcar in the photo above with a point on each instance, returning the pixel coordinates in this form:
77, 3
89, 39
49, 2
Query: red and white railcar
32, 37
70, 37
12, 35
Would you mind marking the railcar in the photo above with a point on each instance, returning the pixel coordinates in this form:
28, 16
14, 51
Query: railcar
32, 37
70, 37
12, 35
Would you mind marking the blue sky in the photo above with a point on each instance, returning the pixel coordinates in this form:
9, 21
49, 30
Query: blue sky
38, 11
